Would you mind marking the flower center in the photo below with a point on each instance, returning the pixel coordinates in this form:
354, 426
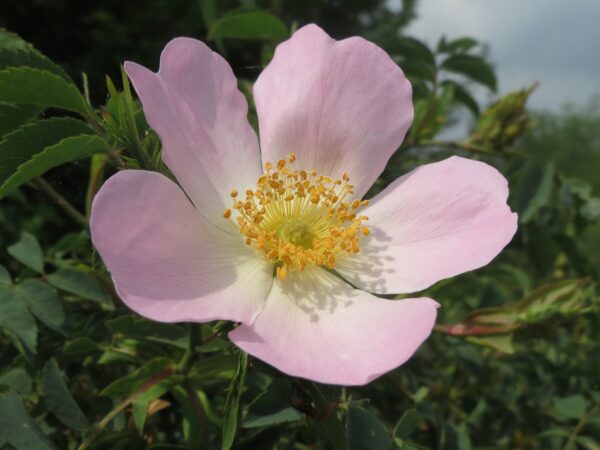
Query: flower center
297, 218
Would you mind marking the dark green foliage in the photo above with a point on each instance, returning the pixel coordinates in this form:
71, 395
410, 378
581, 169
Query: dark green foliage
513, 362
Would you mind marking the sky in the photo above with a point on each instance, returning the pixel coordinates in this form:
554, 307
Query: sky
555, 42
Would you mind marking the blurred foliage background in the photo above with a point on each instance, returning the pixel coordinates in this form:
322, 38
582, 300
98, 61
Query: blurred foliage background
514, 362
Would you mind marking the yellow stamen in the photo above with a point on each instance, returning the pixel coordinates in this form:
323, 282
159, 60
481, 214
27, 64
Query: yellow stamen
281, 273
297, 218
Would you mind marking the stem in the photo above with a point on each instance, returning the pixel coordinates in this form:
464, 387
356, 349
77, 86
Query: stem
60, 201
429, 112
579, 427
330, 425
461, 330
156, 378
455, 145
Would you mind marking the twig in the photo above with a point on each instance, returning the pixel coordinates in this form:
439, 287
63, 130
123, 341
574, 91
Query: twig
60, 201
155, 379
461, 330
582, 422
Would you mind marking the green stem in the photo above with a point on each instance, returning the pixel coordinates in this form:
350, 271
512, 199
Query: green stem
60, 201
570, 445
461, 330
155, 379
455, 145
331, 426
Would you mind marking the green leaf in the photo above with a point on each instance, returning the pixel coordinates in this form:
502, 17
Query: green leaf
413, 49
17, 322
364, 431
13, 115
209, 12
472, 67
12, 57
17, 379
143, 329
79, 283
454, 438
18, 428
541, 197
463, 96
67, 150
13, 41
5, 278
456, 45
564, 298
254, 25
140, 406
272, 407
28, 252
407, 424
501, 342
134, 381
44, 303
18, 147
40, 87
231, 411
571, 407
80, 347
59, 399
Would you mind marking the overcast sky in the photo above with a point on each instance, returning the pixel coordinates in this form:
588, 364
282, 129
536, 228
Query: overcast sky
556, 42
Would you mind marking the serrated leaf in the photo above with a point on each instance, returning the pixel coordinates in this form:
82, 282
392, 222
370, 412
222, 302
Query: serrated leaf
135, 380
143, 329
44, 303
18, 428
17, 379
272, 407
13, 115
231, 411
254, 25
209, 12
40, 87
541, 197
407, 424
14, 57
473, 67
142, 403
28, 252
59, 399
67, 150
571, 407
17, 322
19, 146
413, 49
5, 278
457, 45
463, 96
501, 342
79, 283
534, 191
364, 431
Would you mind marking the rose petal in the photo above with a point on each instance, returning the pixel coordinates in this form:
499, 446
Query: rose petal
168, 264
340, 106
439, 220
195, 107
316, 326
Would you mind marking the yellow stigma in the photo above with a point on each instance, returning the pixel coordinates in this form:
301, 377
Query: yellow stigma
297, 218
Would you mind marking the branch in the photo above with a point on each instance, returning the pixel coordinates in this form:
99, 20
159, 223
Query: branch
60, 201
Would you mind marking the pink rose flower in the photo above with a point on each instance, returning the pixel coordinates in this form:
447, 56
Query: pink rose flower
274, 236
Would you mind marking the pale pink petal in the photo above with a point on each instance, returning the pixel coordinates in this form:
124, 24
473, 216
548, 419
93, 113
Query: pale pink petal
316, 326
438, 221
195, 107
167, 262
341, 106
